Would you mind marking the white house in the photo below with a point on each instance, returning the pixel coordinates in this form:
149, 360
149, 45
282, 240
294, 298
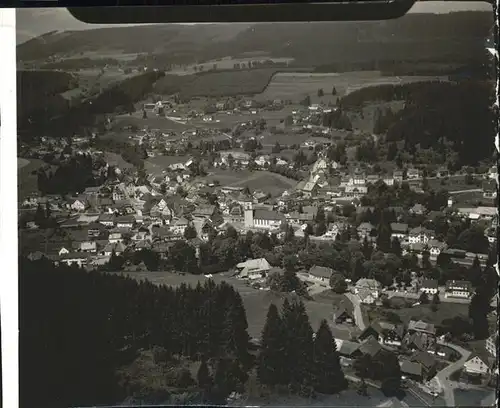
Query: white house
75, 258
458, 289
491, 344
254, 268
63, 251
125, 221
107, 220
88, 246
435, 247
179, 226
367, 297
477, 365
368, 284
78, 205
420, 235
115, 237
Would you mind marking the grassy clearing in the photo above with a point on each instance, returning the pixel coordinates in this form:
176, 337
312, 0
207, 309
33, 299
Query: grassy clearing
455, 183
152, 122
114, 159
290, 85
256, 302
270, 183
229, 83
420, 312
159, 163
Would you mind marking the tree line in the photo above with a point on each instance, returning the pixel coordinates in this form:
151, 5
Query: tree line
77, 328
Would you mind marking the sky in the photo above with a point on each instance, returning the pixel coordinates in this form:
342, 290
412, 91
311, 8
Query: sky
34, 22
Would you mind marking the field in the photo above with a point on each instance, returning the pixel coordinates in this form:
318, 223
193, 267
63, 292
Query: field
256, 302
157, 164
421, 312
27, 182
114, 159
229, 83
152, 122
296, 86
271, 183
226, 63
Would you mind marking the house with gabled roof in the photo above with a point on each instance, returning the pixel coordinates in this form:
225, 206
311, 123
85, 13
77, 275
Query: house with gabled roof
344, 314
320, 274
478, 364
88, 246
74, 258
371, 285
420, 235
386, 333
399, 230
429, 286
458, 289
253, 268
370, 346
179, 226
365, 229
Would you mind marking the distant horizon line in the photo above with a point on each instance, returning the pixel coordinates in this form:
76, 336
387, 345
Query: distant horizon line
100, 27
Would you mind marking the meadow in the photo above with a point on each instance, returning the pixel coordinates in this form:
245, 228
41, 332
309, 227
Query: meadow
256, 301
445, 310
298, 85
270, 183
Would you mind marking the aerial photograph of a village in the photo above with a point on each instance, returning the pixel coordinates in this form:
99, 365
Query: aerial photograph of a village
292, 214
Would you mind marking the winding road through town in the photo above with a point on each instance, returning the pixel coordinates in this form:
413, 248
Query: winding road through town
442, 377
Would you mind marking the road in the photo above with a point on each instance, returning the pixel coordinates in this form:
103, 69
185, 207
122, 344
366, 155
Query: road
443, 376
358, 314
472, 190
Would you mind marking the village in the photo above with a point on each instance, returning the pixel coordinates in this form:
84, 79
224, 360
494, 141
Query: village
185, 200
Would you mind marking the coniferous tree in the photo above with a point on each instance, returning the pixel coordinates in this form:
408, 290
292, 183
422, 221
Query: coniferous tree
271, 357
384, 235
328, 377
479, 308
396, 247
190, 232
299, 343
203, 376
40, 219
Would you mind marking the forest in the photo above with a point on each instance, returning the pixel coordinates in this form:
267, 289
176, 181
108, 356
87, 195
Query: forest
57, 117
81, 332
441, 116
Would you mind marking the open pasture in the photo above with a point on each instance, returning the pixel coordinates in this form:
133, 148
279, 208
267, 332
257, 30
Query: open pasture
269, 183
158, 164
420, 312
117, 160
297, 85
256, 302
152, 122
228, 83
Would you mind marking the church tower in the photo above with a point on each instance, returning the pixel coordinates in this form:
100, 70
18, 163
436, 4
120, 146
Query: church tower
248, 210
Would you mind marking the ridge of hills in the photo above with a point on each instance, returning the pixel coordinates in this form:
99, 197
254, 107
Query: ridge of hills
412, 36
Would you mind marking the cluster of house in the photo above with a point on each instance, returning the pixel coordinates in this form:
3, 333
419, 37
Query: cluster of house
419, 348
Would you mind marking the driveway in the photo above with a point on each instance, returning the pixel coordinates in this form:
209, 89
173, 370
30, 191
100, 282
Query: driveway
358, 315
442, 377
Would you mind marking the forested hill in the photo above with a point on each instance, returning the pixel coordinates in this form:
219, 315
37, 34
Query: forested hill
414, 36
77, 329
